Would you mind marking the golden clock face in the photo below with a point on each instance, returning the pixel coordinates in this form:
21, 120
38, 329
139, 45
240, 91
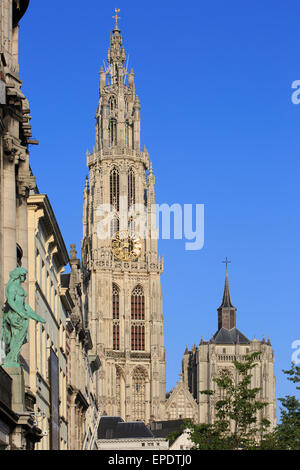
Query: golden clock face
126, 246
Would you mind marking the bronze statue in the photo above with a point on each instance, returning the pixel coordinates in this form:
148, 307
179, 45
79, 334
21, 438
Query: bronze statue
16, 315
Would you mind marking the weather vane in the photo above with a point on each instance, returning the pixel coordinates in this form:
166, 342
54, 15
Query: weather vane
117, 10
226, 262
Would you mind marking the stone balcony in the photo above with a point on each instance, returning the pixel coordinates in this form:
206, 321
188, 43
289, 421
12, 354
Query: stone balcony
116, 152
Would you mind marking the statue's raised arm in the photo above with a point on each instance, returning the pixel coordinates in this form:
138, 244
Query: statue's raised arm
16, 315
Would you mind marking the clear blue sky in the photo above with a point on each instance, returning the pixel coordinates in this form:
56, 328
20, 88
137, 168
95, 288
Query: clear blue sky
214, 80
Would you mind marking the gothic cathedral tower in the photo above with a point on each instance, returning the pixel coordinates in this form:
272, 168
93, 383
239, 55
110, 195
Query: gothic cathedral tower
122, 289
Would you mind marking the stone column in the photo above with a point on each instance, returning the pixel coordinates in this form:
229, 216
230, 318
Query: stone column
147, 401
122, 396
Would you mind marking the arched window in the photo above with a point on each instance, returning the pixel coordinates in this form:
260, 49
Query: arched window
139, 394
131, 187
116, 316
112, 132
126, 133
114, 226
112, 104
115, 302
112, 125
137, 304
114, 188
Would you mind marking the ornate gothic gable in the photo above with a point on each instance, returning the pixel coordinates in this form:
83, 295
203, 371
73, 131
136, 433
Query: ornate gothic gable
181, 404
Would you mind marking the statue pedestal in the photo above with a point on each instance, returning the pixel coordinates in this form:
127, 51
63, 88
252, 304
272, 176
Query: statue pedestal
18, 388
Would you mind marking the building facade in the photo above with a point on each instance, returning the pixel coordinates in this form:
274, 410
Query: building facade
122, 268
83, 414
48, 257
48, 402
16, 178
16, 181
61, 370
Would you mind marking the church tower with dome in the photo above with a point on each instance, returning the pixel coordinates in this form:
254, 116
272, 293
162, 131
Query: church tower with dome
121, 264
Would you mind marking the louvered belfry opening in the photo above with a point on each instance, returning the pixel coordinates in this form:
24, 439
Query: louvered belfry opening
138, 317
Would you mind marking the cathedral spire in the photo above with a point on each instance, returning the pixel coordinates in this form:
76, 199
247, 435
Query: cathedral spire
226, 311
226, 301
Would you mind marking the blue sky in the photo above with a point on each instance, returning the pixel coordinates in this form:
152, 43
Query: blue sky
214, 80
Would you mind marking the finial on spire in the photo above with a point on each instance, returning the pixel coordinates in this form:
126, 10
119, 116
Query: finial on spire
226, 262
117, 10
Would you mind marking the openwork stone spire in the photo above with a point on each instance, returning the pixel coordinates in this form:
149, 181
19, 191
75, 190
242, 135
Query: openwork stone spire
116, 54
118, 114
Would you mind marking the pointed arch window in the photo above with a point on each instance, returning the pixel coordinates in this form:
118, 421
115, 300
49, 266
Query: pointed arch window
116, 316
131, 187
115, 302
138, 304
112, 132
112, 104
112, 125
108, 79
114, 226
115, 188
139, 394
126, 132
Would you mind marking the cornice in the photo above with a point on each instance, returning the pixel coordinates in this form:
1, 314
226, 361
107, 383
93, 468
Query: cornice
54, 234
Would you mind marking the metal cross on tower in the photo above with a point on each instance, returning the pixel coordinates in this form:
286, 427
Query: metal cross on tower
117, 10
226, 262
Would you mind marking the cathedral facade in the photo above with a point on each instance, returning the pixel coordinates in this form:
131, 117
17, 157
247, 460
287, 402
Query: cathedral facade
121, 264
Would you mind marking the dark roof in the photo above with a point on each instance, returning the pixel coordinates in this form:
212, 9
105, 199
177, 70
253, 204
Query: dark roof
132, 430
164, 428
107, 426
233, 336
113, 427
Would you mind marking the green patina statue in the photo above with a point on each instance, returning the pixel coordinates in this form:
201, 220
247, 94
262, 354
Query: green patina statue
15, 319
